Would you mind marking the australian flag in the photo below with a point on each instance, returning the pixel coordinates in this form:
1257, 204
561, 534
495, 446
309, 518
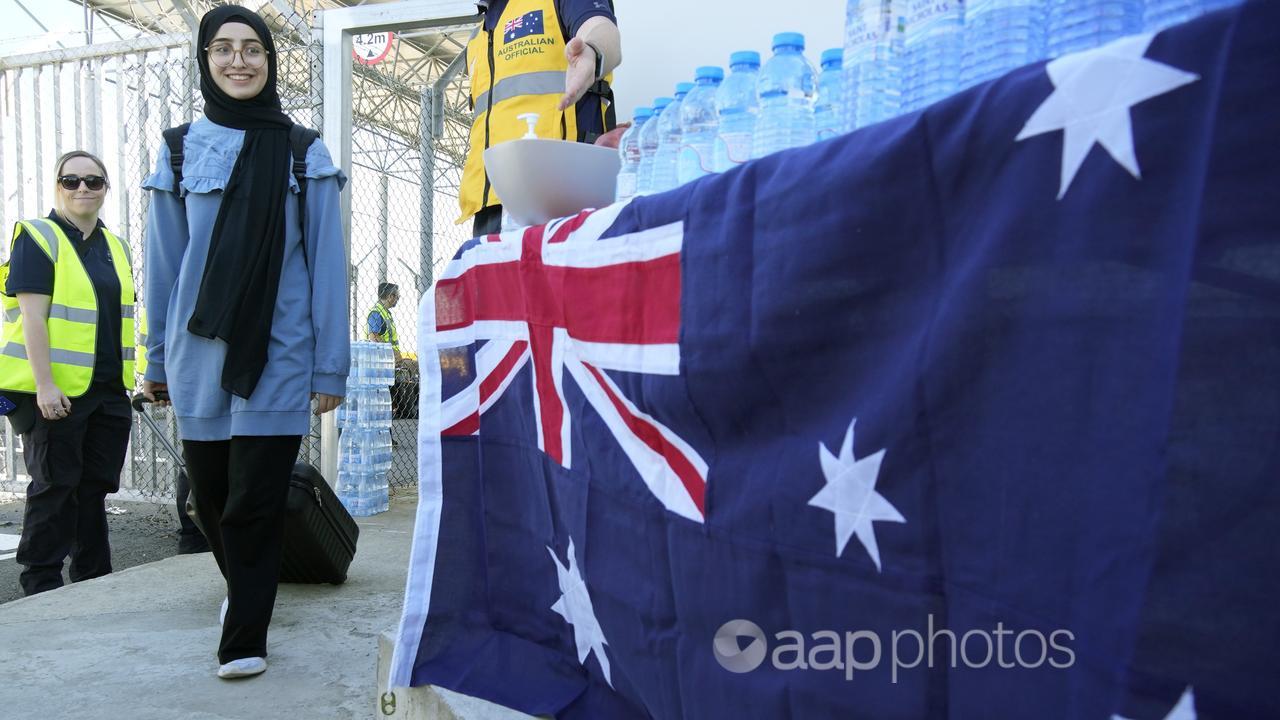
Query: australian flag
527, 24
969, 414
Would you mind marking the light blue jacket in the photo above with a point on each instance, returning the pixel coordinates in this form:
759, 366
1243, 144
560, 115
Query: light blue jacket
309, 350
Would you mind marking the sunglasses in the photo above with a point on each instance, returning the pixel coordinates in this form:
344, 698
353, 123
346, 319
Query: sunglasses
71, 182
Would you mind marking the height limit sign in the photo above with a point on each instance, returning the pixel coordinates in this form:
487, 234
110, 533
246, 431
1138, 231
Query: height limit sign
372, 48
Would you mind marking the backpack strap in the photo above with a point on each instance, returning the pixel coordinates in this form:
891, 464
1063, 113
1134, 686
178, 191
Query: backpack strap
173, 137
300, 139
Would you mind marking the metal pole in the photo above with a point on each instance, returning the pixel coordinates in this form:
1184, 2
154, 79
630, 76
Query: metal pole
122, 139
188, 87
57, 109
426, 195
384, 228
141, 142
78, 103
95, 106
166, 92
36, 113
4, 96
18, 144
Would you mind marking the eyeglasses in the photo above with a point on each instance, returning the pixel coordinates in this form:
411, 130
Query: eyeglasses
222, 54
93, 182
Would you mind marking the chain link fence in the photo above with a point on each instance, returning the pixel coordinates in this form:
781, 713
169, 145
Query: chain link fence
114, 100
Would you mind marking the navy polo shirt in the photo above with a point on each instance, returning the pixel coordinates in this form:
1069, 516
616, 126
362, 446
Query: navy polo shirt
572, 14
31, 271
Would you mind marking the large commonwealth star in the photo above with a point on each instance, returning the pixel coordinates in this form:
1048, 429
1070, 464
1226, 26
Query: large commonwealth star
850, 494
1093, 91
575, 607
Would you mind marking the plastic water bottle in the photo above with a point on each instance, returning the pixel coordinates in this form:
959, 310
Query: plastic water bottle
737, 104
699, 125
1076, 25
934, 45
629, 152
786, 98
1160, 14
1000, 35
872, 61
664, 161
828, 110
364, 449
649, 146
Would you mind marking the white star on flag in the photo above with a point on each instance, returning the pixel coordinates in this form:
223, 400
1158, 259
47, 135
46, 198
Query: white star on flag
1184, 710
1093, 91
574, 606
850, 494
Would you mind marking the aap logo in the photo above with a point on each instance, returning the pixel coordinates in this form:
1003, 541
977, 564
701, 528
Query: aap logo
740, 646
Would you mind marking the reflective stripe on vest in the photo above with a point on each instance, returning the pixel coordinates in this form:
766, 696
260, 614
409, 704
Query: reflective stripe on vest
534, 83
73, 315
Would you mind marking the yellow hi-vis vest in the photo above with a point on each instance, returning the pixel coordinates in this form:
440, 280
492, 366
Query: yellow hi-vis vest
389, 334
73, 315
529, 73
140, 354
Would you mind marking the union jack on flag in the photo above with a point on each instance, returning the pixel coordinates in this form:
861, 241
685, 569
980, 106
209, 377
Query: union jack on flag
573, 305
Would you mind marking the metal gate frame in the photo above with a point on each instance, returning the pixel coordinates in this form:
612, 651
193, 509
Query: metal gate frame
334, 29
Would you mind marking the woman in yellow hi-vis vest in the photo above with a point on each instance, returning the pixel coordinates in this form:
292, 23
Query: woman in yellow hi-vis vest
535, 56
68, 340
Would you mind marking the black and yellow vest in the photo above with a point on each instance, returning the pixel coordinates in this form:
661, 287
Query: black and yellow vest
516, 69
73, 315
389, 334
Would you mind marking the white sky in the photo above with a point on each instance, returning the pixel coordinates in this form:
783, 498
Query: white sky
663, 40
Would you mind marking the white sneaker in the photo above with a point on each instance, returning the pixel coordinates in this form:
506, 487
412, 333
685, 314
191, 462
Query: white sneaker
222, 614
244, 667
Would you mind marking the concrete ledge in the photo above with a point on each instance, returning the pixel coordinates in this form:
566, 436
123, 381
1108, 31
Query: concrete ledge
431, 703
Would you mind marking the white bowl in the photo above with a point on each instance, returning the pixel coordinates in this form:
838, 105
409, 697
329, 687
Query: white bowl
539, 180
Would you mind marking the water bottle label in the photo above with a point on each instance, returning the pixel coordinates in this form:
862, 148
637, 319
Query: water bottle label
869, 24
736, 146
923, 13
626, 185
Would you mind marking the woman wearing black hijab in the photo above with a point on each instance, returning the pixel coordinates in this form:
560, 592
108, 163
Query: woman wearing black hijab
248, 314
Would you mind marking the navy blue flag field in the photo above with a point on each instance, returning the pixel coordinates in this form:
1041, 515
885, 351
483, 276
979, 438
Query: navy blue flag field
970, 414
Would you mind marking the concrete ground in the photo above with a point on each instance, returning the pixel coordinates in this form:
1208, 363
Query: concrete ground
140, 644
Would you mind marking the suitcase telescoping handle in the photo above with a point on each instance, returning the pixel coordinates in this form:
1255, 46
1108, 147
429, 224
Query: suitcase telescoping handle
138, 401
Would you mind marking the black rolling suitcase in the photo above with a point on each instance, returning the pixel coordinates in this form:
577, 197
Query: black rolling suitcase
319, 534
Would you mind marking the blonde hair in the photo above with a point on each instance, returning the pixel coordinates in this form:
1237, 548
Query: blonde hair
57, 172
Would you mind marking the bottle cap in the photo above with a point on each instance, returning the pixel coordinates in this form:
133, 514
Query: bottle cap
788, 39
712, 72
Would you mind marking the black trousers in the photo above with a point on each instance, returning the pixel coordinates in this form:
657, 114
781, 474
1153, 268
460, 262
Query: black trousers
190, 539
74, 463
240, 486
